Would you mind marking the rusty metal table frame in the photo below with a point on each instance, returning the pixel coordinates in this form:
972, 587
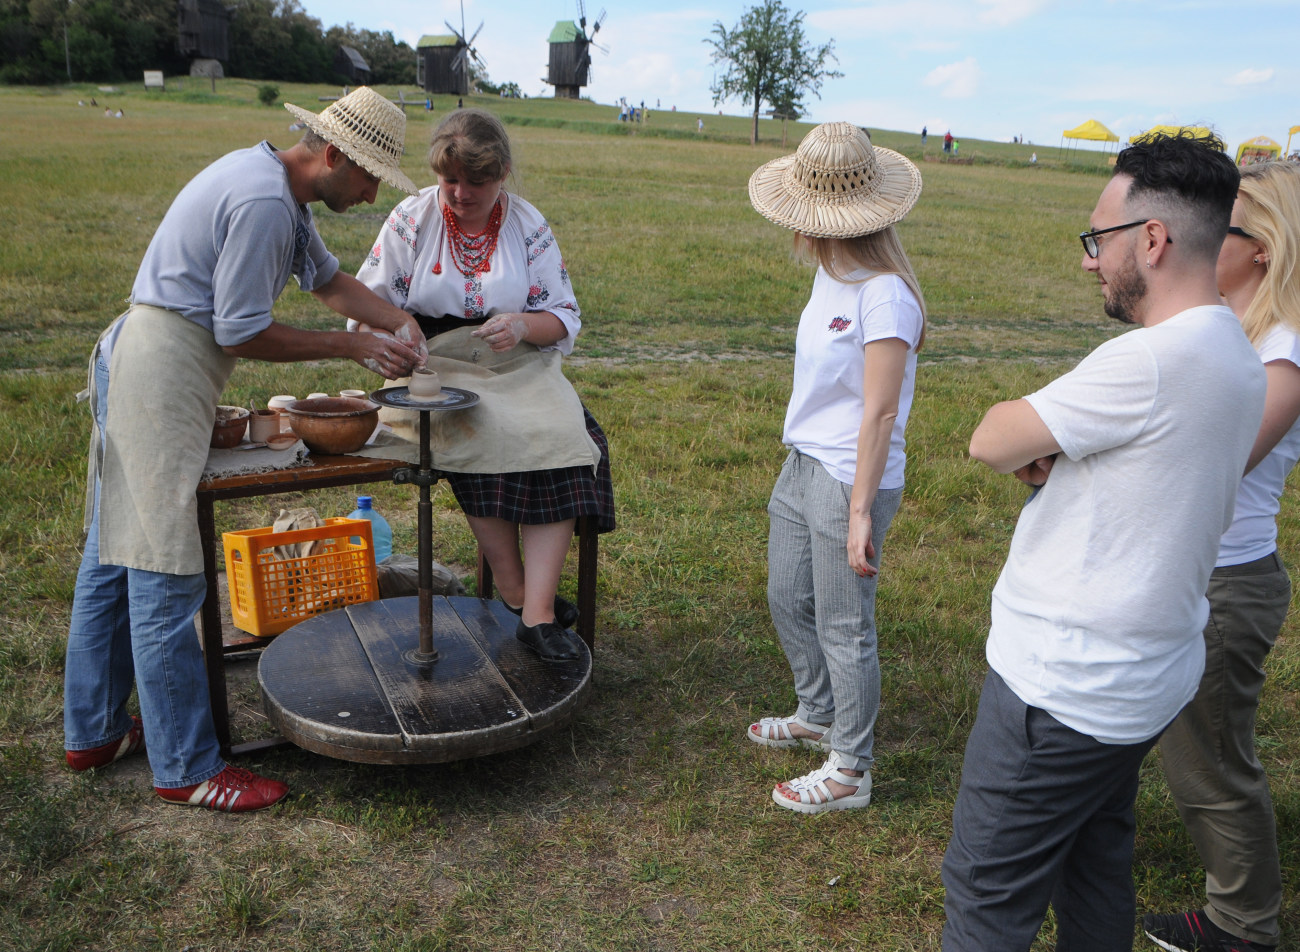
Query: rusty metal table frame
325, 472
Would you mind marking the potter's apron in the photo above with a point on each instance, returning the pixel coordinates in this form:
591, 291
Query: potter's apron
528, 416
165, 380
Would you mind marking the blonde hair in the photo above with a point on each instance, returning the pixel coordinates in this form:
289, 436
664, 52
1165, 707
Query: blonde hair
844, 259
1269, 197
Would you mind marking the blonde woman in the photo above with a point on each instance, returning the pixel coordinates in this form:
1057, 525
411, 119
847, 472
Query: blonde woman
1208, 753
840, 486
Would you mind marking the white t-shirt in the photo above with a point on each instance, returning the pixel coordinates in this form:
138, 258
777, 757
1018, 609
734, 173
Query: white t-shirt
1253, 533
1098, 613
825, 412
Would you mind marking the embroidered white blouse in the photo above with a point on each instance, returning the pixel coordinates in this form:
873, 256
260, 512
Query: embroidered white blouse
411, 266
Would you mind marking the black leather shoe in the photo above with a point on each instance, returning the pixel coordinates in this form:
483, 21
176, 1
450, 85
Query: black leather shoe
566, 613
549, 640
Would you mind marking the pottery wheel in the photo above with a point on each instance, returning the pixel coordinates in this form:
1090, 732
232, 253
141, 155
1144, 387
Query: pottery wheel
344, 684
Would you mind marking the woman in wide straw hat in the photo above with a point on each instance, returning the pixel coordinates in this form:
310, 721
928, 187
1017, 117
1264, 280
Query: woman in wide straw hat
855, 363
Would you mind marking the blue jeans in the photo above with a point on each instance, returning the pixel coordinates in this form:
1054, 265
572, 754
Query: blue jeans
1044, 815
129, 625
824, 614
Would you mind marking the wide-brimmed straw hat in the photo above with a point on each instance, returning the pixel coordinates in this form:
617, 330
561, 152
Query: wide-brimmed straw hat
837, 185
368, 129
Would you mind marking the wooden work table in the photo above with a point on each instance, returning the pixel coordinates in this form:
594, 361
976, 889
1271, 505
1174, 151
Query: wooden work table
324, 472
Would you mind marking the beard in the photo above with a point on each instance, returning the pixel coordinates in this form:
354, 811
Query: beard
335, 188
1128, 288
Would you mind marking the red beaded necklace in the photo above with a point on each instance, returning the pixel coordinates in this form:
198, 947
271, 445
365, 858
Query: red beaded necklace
472, 254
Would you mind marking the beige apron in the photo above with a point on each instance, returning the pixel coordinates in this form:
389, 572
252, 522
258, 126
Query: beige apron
165, 380
528, 417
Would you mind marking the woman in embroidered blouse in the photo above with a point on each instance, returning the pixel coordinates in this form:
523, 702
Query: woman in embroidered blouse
841, 484
467, 254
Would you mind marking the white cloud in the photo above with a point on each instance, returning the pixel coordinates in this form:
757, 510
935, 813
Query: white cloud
911, 17
1006, 12
956, 80
1251, 77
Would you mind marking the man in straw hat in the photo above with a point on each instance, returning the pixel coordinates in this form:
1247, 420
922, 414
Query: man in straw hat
202, 298
1096, 643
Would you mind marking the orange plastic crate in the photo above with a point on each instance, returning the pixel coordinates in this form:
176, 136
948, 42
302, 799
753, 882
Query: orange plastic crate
269, 594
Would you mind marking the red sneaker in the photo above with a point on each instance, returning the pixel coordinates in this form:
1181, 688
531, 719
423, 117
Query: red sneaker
131, 743
234, 790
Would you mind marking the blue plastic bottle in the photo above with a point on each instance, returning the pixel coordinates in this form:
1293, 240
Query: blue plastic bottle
380, 533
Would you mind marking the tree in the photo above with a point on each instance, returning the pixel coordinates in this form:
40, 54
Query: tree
768, 60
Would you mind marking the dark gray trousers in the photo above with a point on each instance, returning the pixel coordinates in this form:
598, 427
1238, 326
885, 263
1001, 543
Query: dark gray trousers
1044, 814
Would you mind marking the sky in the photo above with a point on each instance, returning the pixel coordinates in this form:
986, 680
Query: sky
987, 69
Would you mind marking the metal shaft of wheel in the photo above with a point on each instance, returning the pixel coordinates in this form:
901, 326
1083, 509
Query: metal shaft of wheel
427, 651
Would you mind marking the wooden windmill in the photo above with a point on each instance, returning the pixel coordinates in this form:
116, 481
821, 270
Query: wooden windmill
443, 62
203, 34
570, 63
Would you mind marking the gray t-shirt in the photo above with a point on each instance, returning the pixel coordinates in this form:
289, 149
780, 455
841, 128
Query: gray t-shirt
227, 246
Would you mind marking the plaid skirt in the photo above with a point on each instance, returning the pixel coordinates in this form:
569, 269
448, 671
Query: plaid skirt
542, 496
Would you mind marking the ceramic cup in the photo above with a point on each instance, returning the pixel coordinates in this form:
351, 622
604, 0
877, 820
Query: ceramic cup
313, 396
280, 402
359, 394
424, 385
263, 425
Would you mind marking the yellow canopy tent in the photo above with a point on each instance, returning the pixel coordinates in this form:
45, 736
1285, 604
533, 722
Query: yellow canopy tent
1292, 131
1198, 131
1090, 131
1258, 149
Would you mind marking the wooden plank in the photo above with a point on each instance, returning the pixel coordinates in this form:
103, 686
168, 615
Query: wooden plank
459, 702
318, 685
550, 691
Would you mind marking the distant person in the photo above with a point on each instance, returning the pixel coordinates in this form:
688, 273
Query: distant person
841, 484
1033, 158
202, 298
460, 103
1095, 643
956, 147
924, 134
699, 125
947, 141
1208, 753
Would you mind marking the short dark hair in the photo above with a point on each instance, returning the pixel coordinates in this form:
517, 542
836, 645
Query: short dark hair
1185, 180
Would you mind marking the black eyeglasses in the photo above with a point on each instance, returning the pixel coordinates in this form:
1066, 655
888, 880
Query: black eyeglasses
1234, 230
1089, 238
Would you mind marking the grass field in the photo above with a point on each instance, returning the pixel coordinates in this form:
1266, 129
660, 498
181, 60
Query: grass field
647, 823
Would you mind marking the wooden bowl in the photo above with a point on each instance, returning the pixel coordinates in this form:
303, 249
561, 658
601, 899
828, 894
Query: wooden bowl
229, 426
333, 425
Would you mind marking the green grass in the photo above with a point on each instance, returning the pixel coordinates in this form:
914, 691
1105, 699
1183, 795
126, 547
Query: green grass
645, 824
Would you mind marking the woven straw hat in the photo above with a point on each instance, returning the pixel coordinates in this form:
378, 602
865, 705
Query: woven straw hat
837, 185
368, 129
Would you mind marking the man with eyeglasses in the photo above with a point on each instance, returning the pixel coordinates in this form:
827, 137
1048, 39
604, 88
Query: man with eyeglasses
1096, 637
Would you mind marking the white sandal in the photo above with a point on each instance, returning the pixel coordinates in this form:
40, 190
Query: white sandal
815, 797
775, 732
